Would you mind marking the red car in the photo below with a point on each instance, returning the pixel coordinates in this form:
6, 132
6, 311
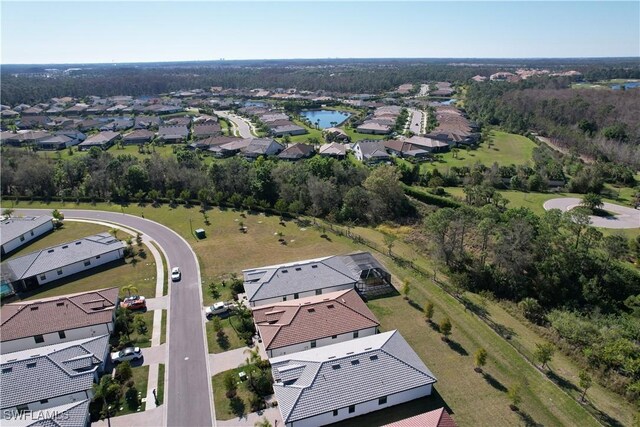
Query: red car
134, 302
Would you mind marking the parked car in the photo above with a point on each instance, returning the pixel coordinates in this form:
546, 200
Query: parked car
134, 302
217, 309
128, 353
175, 274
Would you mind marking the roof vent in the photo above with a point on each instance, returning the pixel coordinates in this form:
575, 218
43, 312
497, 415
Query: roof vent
368, 348
6, 370
355, 362
34, 307
311, 310
314, 266
77, 243
374, 357
350, 352
65, 246
31, 365
298, 269
285, 271
330, 306
60, 304
332, 357
50, 251
335, 366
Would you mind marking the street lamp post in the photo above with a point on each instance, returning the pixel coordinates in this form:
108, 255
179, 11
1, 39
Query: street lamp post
109, 415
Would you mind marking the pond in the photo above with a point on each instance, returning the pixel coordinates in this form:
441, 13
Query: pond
325, 118
628, 85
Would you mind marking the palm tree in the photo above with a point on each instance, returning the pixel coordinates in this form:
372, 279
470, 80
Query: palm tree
7, 212
253, 356
129, 289
114, 232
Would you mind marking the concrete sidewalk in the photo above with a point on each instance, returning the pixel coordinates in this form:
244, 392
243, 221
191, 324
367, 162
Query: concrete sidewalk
249, 420
150, 418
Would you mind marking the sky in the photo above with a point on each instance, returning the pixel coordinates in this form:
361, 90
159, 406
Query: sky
89, 31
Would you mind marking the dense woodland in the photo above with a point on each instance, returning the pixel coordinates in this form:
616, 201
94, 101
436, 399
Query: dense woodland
31, 84
599, 123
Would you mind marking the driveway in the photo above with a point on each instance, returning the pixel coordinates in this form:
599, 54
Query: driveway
624, 217
188, 397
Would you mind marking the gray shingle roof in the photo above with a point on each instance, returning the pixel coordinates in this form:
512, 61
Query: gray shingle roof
12, 228
59, 256
344, 374
301, 276
75, 414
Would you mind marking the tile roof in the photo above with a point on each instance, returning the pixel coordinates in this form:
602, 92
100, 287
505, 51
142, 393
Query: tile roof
14, 227
101, 138
436, 418
260, 146
322, 379
29, 318
307, 319
301, 276
47, 372
333, 149
372, 149
59, 256
75, 414
297, 151
139, 134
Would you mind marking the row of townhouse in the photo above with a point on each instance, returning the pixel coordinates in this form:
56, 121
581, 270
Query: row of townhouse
278, 122
382, 121
328, 360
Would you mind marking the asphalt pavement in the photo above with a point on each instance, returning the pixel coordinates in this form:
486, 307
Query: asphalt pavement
188, 395
240, 124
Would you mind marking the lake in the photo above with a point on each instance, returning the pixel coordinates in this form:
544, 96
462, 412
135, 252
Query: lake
628, 85
325, 117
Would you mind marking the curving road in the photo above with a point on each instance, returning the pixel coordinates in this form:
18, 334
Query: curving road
624, 217
188, 392
240, 124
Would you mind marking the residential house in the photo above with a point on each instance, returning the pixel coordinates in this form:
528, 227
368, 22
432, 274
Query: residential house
33, 122
173, 134
273, 117
120, 123
262, 147
334, 149
32, 111
402, 148
146, 122
370, 151
74, 414
30, 324
53, 263
315, 321
297, 152
290, 129
101, 140
24, 137
138, 136
436, 418
19, 231
300, 279
9, 114
206, 130
230, 148
50, 376
75, 110
335, 134
328, 384
61, 140
178, 121
374, 128
205, 144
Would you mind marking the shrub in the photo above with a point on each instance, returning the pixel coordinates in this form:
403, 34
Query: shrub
123, 372
131, 396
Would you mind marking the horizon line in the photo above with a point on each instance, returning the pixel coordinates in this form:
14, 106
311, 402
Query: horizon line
326, 59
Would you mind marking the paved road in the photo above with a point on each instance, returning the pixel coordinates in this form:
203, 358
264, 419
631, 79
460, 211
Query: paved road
624, 217
189, 386
415, 124
240, 124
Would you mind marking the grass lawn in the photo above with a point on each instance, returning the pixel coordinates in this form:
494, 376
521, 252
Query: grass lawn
317, 133
118, 273
163, 327
508, 148
525, 337
143, 340
165, 151
140, 379
535, 202
165, 285
212, 339
160, 390
220, 400
71, 230
473, 399
355, 136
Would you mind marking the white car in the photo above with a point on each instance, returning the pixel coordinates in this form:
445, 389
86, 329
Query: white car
216, 309
175, 274
129, 353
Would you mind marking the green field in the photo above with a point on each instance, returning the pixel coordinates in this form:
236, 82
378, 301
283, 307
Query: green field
233, 339
507, 148
220, 400
143, 340
140, 379
165, 151
473, 398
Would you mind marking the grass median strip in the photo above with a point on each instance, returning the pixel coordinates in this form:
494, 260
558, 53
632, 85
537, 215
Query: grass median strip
160, 390
163, 330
